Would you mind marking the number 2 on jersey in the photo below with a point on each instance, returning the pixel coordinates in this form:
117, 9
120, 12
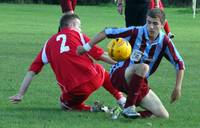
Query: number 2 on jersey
63, 48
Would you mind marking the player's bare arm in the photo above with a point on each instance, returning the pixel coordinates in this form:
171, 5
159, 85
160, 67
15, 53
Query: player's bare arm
99, 37
106, 58
24, 86
176, 94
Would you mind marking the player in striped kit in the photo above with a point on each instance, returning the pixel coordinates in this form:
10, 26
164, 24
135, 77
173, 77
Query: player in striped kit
149, 46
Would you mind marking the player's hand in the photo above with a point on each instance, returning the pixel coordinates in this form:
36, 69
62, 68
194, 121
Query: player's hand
16, 98
176, 94
80, 50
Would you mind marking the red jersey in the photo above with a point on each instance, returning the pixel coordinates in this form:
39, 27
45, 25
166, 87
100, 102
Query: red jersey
68, 5
70, 69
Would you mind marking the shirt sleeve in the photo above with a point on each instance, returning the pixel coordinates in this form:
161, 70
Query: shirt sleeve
37, 64
173, 56
119, 32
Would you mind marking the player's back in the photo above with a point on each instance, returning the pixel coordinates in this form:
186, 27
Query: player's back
70, 68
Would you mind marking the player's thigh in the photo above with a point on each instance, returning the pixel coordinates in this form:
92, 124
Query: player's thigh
118, 80
152, 103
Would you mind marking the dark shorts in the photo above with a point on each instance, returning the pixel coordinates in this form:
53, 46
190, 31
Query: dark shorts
119, 82
135, 14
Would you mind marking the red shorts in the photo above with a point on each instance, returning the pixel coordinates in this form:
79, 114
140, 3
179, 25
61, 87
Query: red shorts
119, 82
152, 5
76, 97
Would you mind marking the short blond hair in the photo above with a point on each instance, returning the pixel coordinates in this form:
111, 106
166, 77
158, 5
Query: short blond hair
66, 19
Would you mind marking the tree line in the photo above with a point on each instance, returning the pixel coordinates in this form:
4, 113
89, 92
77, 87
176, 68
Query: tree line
183, 3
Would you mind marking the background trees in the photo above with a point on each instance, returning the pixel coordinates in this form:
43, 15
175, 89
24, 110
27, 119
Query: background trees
182, 3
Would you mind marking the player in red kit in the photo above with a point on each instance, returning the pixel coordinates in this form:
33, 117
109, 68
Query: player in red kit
77, 76
68, 6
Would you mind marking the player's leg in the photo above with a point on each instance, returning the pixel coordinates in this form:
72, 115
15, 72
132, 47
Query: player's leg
110, 88
130, 15
75, 98
135, 77
67, 5
142, 12
69, 104
63, 5
167, 30
145, 114
152, 103
166, 25
86, 89
74, 2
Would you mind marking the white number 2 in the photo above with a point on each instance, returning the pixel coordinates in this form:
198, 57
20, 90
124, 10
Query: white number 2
63, 48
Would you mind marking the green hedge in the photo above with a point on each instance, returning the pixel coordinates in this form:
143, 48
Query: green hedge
97, 2
82, 2
31, 1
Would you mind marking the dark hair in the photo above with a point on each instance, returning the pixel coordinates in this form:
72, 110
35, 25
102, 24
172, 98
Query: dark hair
157, 13
66, 19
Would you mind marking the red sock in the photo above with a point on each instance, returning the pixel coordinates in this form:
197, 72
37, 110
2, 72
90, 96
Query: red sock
109, 87
166, 27
78, 107
134, 86
145, 114
82, 107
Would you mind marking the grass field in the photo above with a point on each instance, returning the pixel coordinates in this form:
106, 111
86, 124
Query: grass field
25, 28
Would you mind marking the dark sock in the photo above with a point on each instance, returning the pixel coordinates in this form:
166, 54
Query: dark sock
134, 86
145, 114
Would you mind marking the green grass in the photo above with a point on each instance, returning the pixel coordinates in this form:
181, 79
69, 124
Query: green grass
25, 28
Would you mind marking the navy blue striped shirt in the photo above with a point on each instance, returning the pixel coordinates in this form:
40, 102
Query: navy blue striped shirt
145, 51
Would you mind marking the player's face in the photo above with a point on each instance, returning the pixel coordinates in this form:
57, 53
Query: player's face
154, 26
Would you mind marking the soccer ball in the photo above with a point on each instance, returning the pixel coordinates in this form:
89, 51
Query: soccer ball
119, 49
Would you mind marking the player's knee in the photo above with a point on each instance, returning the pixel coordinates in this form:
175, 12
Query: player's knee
164, 114
167, 116
143, 69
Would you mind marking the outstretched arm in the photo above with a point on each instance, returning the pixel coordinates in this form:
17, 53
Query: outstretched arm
86, 47
24, 86
106, 58
176, 94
